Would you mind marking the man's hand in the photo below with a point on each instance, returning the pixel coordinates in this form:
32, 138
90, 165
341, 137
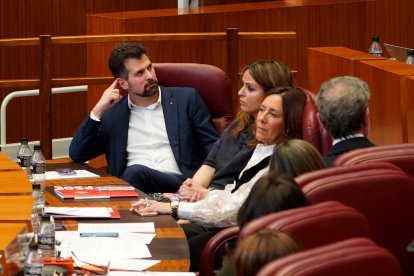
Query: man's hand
109, 97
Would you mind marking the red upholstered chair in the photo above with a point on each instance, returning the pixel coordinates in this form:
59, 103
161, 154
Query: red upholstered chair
383, 195
212, 247
314, 225
356, 257
313, 132
212, 83
401, 155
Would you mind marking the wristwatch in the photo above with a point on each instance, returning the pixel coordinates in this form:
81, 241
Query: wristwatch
174, 209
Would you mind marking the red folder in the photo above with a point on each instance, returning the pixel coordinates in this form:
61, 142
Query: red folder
95, 192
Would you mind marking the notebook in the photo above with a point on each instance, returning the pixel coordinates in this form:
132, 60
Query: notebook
396, 52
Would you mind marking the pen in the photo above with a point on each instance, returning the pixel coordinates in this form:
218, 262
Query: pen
99, 234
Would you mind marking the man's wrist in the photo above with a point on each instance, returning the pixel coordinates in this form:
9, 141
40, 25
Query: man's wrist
94, 117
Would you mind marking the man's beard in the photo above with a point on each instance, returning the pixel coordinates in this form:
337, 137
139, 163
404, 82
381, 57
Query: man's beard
150, 89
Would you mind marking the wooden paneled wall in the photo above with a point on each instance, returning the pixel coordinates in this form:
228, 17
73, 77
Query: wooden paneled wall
316, 22
31, 18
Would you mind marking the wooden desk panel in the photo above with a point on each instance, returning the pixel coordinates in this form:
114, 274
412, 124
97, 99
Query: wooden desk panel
10, 239
7, 164
17, 209
409, 88
15, 183
388, 106
328, 62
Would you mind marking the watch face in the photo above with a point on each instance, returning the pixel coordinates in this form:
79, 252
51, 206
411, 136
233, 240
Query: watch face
174, 204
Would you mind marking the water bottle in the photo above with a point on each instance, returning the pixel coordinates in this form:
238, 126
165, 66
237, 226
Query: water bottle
24, 155
46, 237
410, 57
35, 220
39, 200
375, 47
38, 167
33, 264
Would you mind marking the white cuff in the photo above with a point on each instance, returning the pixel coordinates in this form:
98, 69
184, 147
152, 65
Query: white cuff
93, 117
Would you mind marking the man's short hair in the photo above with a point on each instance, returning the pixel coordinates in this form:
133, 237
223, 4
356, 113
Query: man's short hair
121, 53
342, 102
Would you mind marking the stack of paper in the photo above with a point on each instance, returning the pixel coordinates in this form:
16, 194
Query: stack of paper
115, 252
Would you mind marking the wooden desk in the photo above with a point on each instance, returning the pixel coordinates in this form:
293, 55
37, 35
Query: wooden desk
17, 209
7, 164
14, 182
169, 245
390, 100
328, 62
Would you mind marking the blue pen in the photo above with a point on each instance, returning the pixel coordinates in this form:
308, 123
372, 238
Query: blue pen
99, 234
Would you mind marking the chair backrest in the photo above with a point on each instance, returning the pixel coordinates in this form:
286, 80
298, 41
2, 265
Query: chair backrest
314, 225
212, 247
384, 195
401, 155
211, 82
313, 132
356, 257
306, 178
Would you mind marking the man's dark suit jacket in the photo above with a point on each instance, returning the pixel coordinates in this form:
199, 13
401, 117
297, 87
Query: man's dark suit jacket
344, 146
188, 122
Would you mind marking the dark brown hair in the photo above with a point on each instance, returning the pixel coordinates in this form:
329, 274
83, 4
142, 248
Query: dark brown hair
260, 248
271, 193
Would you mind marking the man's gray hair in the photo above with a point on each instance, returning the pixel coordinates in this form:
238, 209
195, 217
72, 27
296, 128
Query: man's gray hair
342, 102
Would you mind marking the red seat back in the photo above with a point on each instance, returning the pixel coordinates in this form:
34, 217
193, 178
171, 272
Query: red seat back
401, 155
314, 225
356, 257
384, 195
213, 246
312, 130
211, 82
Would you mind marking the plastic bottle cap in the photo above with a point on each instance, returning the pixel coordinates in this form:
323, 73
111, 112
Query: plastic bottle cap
36, 147
45, 218
375, 38
24, 140
410, 52
36, 186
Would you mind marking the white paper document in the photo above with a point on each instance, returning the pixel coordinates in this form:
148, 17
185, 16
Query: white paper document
52, 175
68, 241
143, 227
88, 212
108, 248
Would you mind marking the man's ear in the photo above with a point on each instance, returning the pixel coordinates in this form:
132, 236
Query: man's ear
366, 123
123, 83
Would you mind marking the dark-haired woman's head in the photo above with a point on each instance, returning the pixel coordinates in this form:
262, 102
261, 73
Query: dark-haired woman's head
280, 115
271, 193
